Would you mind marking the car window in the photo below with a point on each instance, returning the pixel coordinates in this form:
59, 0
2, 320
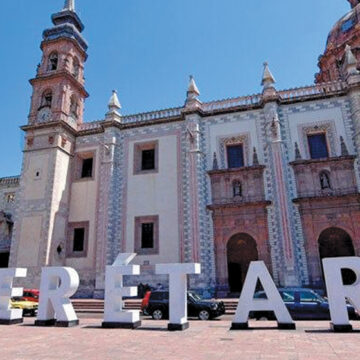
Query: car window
159, 296
16, 298
308, 296
287, 296
261, 295
194, 296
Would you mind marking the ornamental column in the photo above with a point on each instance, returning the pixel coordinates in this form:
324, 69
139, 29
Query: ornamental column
108, 216
352, 78
281, 212
197, 219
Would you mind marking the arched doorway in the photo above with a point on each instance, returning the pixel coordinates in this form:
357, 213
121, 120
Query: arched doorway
335, 242
241, 250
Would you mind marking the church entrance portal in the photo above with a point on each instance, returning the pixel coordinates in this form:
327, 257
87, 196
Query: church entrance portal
241, 251
335, 242
4, 260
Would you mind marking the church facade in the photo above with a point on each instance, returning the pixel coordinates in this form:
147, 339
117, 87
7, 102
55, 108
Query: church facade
272, 176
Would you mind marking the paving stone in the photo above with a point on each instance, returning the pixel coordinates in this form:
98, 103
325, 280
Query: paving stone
210, 340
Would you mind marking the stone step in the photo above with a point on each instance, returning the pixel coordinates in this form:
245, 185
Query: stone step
97, 306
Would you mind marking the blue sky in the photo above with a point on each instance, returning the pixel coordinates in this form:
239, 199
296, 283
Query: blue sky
147, 48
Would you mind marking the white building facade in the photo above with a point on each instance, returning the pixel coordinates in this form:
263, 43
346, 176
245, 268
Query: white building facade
271, 177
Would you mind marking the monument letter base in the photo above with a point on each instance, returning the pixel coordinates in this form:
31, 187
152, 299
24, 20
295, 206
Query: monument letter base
245, 326
178, 327
50, 322
53, 322
121, 325
11, 322
71, 323
341, 328
286, 326
240, 326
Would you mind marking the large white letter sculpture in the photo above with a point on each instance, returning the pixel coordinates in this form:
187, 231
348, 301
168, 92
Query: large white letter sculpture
56, 286
114, 315
10, 316
178, 292
258, 271
338, 292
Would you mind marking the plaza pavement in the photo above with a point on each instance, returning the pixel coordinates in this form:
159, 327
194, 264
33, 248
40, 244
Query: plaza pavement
203, 340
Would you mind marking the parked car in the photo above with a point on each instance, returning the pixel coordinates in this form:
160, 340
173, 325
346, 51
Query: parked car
31, 295
303, 304
158, 306
28, 307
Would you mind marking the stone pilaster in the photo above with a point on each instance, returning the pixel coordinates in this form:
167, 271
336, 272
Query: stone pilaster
109, 207
198, 246
281, 213
353, 81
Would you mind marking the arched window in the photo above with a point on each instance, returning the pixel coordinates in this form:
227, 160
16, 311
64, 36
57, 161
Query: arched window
53, 61
325, 180
74, 107
76, 68
237, 188
46, 99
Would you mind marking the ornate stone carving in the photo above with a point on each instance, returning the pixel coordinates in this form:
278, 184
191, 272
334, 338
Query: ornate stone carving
255, 157
344, 150
30, 141
215, 162
297, 152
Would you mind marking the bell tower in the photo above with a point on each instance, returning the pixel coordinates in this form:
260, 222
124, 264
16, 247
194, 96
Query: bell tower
58, 88
41, 220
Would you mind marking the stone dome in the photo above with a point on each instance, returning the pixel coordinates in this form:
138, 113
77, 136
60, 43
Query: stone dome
346, 31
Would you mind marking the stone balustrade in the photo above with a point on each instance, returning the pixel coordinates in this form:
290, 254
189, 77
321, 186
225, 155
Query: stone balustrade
95, 125
238, 103
313, 90
154, 115
243, 101
329, 192
10, 181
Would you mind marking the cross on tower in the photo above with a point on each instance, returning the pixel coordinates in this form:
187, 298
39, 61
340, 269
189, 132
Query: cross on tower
69, 5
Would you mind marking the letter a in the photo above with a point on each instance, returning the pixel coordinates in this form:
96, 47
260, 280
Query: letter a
258, 271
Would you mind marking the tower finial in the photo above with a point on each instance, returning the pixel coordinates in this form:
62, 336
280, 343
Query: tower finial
69, 5
114, 103
268, 78
114, 107
350, 62
192, 88
193, 93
